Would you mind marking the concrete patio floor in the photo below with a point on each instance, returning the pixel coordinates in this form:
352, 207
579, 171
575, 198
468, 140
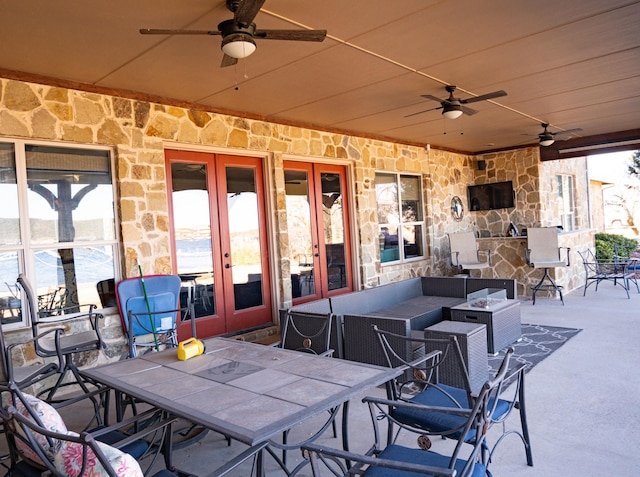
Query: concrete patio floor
581, 401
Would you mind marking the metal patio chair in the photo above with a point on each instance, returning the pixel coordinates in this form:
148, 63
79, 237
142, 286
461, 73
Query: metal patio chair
469, 424
543, 252
425, 388
465, 254
39, 442
307, 333
69, 343
26, 376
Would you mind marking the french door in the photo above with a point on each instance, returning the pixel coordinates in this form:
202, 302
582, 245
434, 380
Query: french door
318, 229
219, 245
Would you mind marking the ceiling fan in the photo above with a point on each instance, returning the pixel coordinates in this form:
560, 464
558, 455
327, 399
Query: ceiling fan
239, 33
546, 138
453, 108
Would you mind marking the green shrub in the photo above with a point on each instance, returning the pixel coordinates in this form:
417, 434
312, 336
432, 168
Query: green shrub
607, 243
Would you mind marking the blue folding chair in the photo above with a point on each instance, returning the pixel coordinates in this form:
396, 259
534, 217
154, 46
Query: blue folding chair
150, 312
150, 307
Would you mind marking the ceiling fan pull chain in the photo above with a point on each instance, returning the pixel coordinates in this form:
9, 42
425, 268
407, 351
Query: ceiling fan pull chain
235, 77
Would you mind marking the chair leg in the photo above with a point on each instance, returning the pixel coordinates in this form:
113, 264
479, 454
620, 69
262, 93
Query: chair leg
524, 425
552, 286
69, 367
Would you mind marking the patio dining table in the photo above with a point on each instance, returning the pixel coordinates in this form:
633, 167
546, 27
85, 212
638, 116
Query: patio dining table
249, 392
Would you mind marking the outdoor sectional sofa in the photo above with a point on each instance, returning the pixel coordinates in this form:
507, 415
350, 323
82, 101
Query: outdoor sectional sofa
400, 307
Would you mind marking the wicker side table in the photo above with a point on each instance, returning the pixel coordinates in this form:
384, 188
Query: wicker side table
502, 322
472, 338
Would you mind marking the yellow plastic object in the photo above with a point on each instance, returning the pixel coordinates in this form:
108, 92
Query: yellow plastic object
190, 348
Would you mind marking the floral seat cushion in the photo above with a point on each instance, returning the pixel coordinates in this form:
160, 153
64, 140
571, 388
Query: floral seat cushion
48, 417
69, 459
67, 456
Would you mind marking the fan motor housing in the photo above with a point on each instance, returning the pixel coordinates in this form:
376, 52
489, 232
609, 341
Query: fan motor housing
229, 27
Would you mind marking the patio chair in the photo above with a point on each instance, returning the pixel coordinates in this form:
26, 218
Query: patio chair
424, 388
150, 312
465, 254
543, 252
107, 292
27, 375
470, 424
307, 333
616, 271
68, 344
40, 442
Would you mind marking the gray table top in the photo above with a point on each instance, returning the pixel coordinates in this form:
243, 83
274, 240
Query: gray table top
247, 391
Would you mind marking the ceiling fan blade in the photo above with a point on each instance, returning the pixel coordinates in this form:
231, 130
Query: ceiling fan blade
484, 97
468, 111
228, 61
420, 112
159, 31
247, 11
297, 35
433, 98
568, 131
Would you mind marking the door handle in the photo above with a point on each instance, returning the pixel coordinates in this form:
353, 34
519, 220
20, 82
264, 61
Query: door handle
226, 265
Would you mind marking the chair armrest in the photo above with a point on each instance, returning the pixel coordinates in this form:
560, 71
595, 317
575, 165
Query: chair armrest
518, 369
239, 459
412, 406
487, 251
92, 317
455, 262
57, 332
314, 450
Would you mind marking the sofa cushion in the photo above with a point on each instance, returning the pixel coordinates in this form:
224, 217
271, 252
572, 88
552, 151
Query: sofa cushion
371, 299
444, 286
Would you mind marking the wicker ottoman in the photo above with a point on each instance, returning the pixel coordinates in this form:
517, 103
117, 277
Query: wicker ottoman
472, 338
503, 322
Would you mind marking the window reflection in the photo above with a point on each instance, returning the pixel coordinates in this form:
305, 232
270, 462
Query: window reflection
192, 226
400, 217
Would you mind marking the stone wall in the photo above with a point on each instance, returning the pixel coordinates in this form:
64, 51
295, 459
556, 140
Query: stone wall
509, 260
139, 131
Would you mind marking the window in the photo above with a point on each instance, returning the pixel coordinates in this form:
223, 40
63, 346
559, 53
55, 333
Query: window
58, 226
566, 201
400, 217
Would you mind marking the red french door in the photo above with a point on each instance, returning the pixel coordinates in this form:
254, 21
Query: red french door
318, 229
219, 245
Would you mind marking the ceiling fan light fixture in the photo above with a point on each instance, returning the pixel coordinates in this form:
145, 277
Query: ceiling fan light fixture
238, 45
452, 111
546, 139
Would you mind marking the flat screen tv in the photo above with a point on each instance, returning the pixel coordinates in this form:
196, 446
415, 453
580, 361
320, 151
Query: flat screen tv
496, 195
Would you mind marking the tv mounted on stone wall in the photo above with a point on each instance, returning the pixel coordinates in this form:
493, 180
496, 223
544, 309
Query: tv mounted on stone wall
495, 195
